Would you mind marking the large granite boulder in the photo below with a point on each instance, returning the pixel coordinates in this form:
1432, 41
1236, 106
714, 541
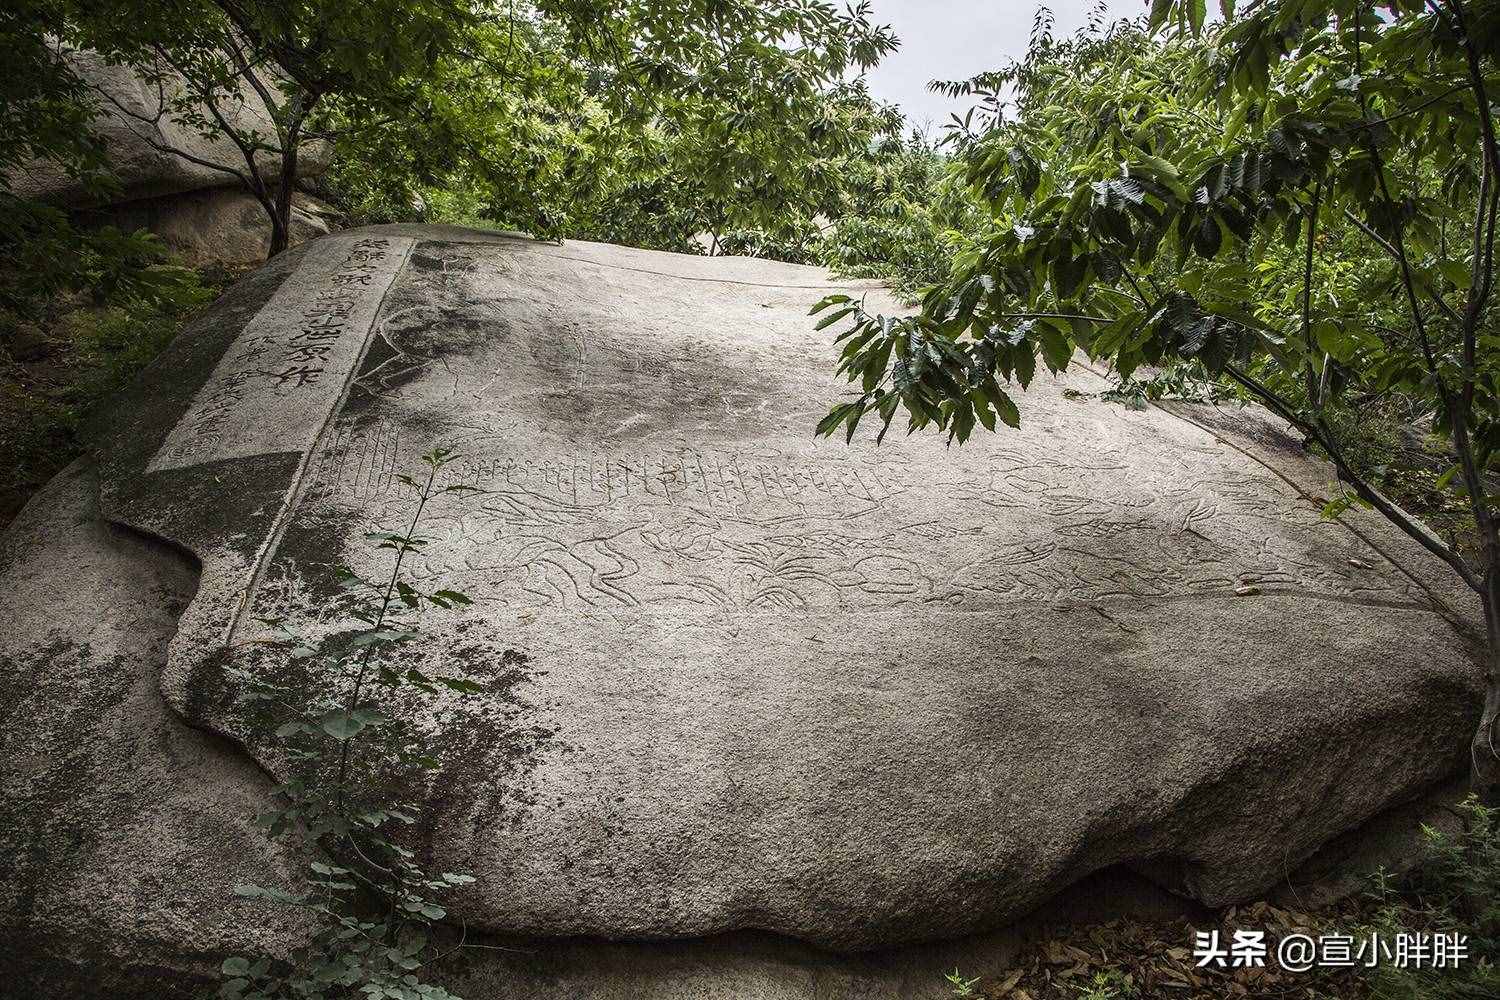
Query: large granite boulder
736, 679
198, 210
138, 136
217, 225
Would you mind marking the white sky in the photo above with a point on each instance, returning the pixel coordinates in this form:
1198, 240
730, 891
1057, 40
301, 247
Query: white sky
954, 39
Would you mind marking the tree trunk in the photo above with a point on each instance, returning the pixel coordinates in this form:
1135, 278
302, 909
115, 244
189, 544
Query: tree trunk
281, 219
301, 105
1485, 751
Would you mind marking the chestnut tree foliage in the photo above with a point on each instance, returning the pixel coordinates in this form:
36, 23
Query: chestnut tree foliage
536, 106
646, 124
1300, 196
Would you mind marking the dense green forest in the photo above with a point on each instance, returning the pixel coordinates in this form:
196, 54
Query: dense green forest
1293, 204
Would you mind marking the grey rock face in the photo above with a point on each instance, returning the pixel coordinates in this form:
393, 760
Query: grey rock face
204, 215
131, 123
739, 678
123, 831
216, 225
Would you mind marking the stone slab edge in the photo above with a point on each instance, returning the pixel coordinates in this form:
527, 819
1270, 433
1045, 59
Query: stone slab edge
214, 469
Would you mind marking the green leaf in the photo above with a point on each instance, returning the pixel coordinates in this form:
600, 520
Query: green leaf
982, 410
1068, 271
407, 594
1115, 224
1005, 407
1335, 341
833, 318
1197, 12
1457, 273
1056, 349
853, 421
377, 637
289, 729
235, 966
345, 725
1208, 238
1025, 364
1150, 165
836, 416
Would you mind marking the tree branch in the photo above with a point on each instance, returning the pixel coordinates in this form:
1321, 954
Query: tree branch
1480, 276
1483, 272
157, 144
1052, 315
1307, 276
1459, 417
1363, 489
1476, 82
245, 70
1396, 255
1416, 109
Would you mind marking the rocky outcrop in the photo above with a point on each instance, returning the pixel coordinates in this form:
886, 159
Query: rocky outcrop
738, 680
217, 225
198, 210
122, 831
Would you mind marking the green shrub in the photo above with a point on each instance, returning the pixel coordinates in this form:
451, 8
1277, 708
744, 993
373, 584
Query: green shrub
71, 353
1456, 890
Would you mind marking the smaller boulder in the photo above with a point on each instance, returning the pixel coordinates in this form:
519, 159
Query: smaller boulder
217, 225
140, 140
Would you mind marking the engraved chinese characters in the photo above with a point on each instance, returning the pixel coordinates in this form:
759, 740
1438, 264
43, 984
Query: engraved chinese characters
279, 382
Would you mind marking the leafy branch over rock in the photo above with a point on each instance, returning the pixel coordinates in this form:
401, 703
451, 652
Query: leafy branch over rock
1152, 199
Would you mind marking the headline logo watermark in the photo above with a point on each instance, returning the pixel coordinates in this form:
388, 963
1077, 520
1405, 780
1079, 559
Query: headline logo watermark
1303, 952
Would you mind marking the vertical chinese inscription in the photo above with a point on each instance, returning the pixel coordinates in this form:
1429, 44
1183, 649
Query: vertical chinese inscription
276, 384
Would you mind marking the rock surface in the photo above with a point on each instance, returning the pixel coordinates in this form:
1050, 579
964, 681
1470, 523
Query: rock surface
123, 830
203, 214
217, 225
134, 130
740, 679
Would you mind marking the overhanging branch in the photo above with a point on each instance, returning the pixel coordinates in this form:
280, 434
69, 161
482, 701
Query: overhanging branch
1362, 488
